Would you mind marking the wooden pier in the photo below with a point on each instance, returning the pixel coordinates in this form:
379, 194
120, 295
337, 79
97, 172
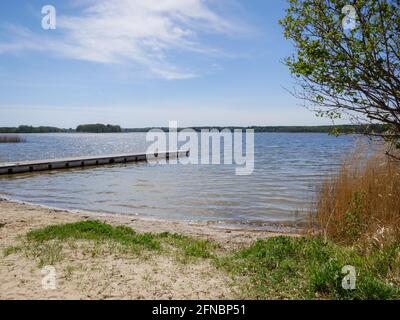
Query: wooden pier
79, 162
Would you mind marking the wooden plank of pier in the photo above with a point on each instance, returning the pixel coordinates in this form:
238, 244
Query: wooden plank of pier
67, 163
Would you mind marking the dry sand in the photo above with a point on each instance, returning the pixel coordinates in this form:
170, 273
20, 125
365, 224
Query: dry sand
81, 275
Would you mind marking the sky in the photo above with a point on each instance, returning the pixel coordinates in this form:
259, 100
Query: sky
140, 63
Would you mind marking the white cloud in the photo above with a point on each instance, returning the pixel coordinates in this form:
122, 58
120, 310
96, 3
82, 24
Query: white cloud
138, 32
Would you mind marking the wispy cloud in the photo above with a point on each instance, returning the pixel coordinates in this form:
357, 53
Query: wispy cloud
136, 32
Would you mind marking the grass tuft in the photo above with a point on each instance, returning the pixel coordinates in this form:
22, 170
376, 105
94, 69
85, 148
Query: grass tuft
97, 231
41, 244
188, 246
7, 251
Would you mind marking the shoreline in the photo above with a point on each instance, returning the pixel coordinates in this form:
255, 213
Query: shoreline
87, 272
208, 230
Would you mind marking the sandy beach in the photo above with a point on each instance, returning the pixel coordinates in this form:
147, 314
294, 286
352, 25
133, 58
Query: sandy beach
106, 275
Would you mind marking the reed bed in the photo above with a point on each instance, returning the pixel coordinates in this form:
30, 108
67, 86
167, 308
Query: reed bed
361, 203
11, 139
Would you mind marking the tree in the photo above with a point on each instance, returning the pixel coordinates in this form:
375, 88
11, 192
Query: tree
98, 128
347, 60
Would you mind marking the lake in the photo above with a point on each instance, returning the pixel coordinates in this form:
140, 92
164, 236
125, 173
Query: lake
288, 168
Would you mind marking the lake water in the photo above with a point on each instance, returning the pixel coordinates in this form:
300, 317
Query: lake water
288, 167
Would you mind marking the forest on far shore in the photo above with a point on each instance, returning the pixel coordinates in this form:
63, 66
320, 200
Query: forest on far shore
102, 128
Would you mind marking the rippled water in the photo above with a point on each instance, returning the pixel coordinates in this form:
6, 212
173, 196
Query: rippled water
288, 167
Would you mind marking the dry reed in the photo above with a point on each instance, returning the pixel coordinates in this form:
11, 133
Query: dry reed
361, 203
11, 139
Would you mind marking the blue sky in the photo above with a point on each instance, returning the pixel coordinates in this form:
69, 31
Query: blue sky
142, 63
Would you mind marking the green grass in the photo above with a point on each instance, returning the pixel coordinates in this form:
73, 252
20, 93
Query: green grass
11, 250
309, 268
275, 268
188, 246
46, 244
97, 231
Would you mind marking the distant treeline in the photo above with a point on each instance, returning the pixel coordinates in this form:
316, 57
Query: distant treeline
98, 128
347, 129
30, 129
359, 129
102, 128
